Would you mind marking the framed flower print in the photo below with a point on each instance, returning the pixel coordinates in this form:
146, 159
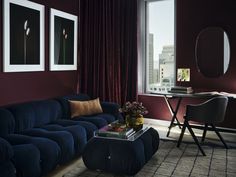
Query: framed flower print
23, 36
63, 41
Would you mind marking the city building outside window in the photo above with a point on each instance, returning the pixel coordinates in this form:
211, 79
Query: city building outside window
160, 45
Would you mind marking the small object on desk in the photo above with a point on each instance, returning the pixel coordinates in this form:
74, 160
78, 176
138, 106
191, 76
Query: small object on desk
180, 89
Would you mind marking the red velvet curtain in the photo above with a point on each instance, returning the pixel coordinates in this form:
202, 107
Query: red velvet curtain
108, 43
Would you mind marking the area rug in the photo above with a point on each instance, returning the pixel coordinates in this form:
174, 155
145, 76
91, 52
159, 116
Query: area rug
170, 161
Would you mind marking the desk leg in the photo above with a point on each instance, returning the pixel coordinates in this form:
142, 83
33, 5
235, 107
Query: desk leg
173, 113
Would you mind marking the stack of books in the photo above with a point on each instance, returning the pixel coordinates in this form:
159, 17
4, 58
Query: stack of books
180, 89
115, 131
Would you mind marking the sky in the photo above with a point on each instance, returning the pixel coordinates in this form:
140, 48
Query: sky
161, 24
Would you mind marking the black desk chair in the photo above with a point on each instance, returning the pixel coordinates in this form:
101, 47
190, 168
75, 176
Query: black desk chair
209, 113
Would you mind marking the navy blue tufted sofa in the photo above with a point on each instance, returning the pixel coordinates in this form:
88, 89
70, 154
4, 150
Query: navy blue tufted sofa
45, 131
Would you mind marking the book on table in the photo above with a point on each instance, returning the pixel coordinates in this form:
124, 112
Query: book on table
181, 89
115, 130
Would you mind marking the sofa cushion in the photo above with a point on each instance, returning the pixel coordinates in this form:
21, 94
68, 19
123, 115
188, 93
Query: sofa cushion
27, 160
98, 121
83, 108
78, 132
89, 127
46, 111
24, 116
7, 169
7, 122
50, 152
35, 114
6, 151
108, 117
112, 108
63, 138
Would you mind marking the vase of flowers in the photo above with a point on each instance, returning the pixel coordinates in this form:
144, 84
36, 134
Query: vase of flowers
133, 113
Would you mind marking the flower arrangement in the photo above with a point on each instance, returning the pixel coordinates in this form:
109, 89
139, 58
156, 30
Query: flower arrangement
134, 109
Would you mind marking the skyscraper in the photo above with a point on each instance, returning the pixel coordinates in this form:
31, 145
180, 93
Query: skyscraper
150, 59
166, 65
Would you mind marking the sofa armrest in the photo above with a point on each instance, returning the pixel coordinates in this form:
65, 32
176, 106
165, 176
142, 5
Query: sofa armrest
111, 108
6, 151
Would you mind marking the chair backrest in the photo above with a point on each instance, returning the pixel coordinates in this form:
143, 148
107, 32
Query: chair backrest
211, 111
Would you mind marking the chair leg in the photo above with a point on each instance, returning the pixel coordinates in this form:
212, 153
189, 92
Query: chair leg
218, 134
195, 139
204, 132
182, 134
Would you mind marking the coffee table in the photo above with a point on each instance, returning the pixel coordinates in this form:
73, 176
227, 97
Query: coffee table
124, 156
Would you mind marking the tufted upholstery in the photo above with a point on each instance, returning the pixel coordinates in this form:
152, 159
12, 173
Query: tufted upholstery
21, 160
35, 114
42, 135
50, 152
27, 160
89, 127
78, 133
119, 156
6, 153
63, 138
98, 121
7, 123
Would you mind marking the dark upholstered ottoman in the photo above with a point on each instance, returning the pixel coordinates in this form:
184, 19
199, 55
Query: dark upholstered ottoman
120, 156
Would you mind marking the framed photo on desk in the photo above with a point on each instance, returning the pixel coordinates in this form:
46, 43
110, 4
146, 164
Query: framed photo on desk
183, 74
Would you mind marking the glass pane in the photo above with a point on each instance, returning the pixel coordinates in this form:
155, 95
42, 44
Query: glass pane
160, 45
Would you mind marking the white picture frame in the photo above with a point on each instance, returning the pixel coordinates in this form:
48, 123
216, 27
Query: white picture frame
23, 36
63, 41
183, 74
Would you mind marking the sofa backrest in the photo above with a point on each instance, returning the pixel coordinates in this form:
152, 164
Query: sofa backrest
65, 105
6, 151
35, 114
7, 122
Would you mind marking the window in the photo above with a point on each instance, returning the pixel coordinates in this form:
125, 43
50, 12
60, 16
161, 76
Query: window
159, 45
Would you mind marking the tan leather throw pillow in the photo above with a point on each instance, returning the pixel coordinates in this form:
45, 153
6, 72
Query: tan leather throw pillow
82, 108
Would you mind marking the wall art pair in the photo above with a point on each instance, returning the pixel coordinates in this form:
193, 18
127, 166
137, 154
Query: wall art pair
24, 38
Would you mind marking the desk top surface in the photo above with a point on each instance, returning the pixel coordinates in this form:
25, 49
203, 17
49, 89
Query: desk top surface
197, 95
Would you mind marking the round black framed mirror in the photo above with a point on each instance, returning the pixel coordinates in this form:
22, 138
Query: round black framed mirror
212, 52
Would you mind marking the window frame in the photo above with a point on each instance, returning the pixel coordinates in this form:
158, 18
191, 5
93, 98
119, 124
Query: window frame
143, 59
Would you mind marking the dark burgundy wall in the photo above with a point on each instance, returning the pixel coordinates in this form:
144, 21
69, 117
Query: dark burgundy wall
192, 17
21, 87
210, 52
